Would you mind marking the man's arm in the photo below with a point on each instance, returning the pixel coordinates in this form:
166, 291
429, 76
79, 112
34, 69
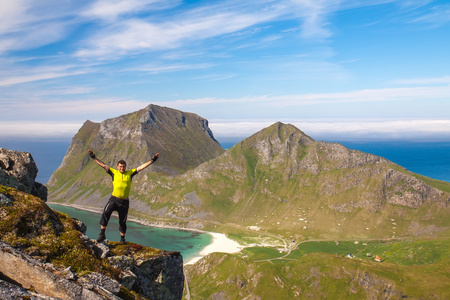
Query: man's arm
98, 161
143, 166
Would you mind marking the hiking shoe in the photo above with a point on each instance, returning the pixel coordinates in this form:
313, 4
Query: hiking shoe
101, 238
122, 239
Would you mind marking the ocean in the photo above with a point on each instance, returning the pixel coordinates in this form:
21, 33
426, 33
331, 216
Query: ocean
430, 159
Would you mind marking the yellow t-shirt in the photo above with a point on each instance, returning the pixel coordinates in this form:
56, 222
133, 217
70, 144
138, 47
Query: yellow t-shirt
121, 182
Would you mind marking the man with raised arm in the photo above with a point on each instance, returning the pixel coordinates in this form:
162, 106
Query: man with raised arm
119, 200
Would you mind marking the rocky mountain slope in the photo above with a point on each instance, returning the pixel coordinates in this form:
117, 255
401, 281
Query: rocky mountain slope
183, 140
280, 181
44, 254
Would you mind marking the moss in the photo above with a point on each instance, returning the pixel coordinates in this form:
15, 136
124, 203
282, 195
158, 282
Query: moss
134, 250
129, 295
30, 223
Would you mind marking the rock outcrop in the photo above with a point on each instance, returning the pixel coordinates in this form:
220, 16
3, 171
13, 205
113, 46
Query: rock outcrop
45, 254
18, 170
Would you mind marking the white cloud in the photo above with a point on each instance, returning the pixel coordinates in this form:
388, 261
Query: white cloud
358, 96
26, 24
74, 109
36, 77
343, 129
112, 9
437, 16
136, 35
424, 81
156, 69
318, 129
39, 129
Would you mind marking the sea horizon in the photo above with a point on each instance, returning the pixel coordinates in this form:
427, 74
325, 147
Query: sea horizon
427, 158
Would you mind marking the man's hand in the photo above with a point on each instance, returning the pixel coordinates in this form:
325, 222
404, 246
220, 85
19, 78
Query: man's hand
155, 157
91, 153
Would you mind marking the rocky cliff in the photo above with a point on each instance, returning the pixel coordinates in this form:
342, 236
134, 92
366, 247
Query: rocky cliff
45, 254
18, 170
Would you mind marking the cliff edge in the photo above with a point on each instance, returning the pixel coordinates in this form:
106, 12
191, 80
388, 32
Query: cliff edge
45, 253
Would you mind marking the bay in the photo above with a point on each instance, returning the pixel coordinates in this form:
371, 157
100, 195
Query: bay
188, 243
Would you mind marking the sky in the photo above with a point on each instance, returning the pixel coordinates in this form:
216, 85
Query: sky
336, 69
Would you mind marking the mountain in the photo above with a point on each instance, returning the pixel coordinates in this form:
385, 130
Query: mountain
282, 181
183, 140
279, 181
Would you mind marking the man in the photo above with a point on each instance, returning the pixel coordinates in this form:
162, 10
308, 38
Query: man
119, 200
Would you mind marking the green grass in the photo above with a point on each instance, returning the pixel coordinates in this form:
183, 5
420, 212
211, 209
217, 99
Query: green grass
417, 269
261, 253
404, 252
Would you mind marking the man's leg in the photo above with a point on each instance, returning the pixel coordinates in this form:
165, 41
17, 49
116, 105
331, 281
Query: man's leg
123, 214
106, 215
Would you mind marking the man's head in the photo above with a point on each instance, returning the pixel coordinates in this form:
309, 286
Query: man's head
121, 166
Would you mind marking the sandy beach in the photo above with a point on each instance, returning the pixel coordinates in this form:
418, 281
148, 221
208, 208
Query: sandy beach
220, 243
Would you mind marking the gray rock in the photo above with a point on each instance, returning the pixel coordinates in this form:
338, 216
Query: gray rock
122, 262
4, 200
18, 170
68, 274
104, 281
9, 291
101, 249
128, 279
81, 227
31, 274
161, 277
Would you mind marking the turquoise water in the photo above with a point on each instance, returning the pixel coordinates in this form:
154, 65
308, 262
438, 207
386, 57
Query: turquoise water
188, 243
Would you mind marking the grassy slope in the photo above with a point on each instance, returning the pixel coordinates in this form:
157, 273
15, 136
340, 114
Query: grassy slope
238, 188
415, 268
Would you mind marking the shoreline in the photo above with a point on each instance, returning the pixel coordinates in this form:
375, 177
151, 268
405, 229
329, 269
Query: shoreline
220, 242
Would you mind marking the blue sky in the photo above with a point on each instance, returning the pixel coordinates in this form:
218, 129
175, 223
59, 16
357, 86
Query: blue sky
335, 69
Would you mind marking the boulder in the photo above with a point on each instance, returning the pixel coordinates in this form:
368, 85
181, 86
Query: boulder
33, 275
18, 170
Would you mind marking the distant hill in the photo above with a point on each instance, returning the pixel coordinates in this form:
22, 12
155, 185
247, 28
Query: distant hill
279, 181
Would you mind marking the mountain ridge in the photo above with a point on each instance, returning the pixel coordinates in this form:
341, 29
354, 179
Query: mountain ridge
282, 181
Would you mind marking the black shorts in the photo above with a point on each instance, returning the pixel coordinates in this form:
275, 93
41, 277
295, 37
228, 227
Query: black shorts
119, 205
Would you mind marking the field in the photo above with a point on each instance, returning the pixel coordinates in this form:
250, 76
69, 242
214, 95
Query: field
404, 252
409, 268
